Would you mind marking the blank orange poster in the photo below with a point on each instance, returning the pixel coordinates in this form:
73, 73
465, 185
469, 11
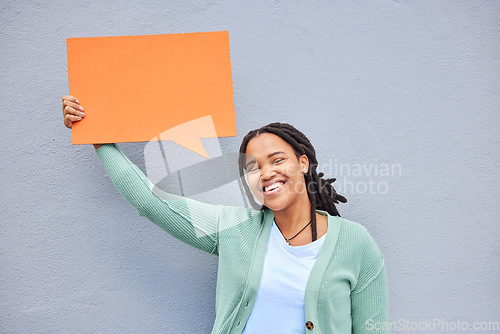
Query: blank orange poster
134, 88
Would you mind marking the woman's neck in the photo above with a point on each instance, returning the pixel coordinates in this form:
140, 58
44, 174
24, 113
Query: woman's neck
294, 218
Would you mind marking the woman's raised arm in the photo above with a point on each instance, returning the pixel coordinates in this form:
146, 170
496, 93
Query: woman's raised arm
190, 221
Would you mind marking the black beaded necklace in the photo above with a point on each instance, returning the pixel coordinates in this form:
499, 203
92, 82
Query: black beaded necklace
288, 240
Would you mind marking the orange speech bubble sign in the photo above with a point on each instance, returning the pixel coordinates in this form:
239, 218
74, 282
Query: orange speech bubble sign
137, 88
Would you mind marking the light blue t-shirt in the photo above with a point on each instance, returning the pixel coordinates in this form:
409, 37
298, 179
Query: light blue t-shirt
279, 307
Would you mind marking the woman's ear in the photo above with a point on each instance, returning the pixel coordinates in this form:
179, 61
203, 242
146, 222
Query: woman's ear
304, 164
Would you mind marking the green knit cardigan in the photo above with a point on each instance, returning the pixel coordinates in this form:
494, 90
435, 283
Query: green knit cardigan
346, 291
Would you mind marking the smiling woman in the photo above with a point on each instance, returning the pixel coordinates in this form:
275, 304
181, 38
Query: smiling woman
280, 165
289, 265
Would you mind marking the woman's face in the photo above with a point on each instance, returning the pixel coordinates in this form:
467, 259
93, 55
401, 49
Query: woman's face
274, 174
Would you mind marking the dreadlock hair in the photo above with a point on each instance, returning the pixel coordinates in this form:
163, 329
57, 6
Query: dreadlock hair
320, 191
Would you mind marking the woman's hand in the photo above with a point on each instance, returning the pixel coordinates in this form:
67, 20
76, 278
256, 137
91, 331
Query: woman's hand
73, 112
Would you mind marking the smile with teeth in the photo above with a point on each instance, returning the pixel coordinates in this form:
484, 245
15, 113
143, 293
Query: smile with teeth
276, 185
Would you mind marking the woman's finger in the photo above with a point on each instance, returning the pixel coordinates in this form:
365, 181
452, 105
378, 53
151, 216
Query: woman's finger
74, 105
70, 98
72, 108
69, 119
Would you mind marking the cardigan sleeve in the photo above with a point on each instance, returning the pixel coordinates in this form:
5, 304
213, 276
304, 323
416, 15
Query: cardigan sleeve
369, 298
190, 221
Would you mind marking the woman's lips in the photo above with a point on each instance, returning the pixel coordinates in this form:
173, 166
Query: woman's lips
273, 188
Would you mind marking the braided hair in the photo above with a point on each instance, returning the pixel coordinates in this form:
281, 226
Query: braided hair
320, 191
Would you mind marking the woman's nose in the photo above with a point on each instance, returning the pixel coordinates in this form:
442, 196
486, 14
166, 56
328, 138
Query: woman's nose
267, 173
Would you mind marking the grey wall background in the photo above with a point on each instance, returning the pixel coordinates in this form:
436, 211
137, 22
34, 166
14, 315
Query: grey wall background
408, 83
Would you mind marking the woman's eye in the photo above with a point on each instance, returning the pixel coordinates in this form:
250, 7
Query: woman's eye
278, 160
252, 169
